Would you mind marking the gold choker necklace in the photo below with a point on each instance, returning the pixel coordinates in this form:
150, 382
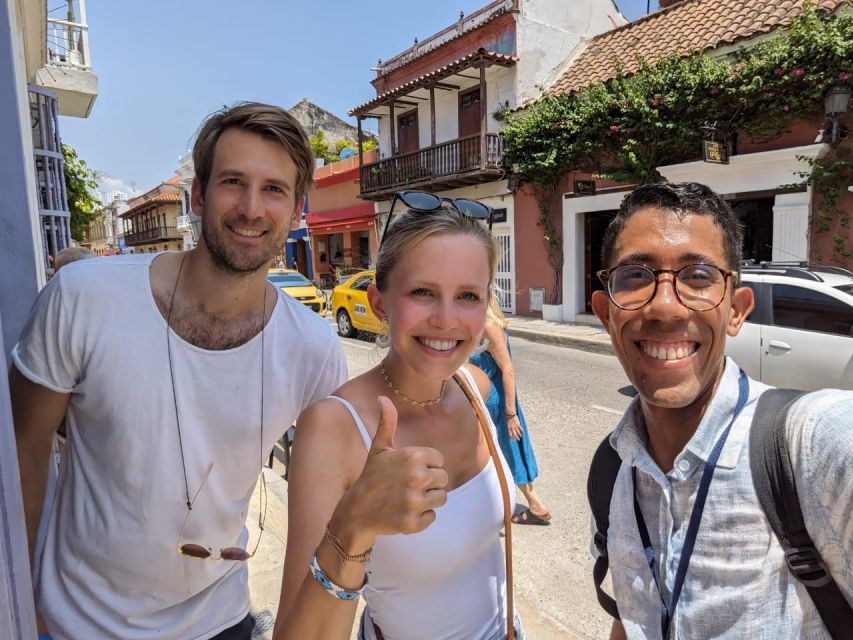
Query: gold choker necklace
403, 396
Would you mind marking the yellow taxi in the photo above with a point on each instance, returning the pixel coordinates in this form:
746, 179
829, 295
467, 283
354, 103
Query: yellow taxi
299, 288
350, 306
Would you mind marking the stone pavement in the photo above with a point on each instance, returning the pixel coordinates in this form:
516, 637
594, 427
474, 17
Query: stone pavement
265, 569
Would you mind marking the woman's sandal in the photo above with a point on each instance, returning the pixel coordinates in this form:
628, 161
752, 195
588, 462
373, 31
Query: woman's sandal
528, 517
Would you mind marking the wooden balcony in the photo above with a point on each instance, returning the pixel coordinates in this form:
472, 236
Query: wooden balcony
471, 160
147, 236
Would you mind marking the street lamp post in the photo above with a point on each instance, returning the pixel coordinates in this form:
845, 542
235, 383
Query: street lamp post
835, 106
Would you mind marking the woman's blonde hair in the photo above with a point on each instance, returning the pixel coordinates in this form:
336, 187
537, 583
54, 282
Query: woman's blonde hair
413, 227
494, 312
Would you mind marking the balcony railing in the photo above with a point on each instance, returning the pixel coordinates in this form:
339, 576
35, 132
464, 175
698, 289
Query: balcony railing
155, 234
455, 163
68, 39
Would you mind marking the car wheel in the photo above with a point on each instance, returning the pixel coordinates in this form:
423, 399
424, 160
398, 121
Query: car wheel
345, 327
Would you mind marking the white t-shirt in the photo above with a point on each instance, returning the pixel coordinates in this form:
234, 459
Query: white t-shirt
110, 566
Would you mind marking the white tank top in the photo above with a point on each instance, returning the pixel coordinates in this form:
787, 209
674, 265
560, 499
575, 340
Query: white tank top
447, 582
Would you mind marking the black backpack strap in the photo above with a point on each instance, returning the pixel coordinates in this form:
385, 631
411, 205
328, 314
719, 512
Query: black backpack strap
773, 478
599, 490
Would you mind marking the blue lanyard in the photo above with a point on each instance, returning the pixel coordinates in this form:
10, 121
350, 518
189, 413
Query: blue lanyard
667, 612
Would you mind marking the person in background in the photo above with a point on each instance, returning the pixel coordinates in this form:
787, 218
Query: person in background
496, 362
71, 254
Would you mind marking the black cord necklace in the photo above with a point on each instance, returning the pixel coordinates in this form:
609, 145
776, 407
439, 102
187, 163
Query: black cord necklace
262, 517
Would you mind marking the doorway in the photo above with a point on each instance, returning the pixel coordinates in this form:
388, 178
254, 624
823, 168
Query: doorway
407, 132
469, 112
756, 217
595, 224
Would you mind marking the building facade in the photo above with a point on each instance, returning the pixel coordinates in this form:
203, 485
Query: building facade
776, 218
440, 105
57, 67
151, 220
341, 227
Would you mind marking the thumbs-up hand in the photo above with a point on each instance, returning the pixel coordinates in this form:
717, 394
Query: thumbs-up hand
398, 489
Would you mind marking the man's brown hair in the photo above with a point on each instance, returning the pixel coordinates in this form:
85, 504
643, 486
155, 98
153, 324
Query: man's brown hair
269, 122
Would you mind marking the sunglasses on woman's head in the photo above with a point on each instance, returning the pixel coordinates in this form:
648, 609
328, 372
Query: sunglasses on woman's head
425, 202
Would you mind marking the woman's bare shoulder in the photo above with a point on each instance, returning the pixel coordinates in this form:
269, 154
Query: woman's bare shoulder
484, 385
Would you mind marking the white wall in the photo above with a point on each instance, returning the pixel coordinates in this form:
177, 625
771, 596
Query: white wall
549, 33
21, 276
500, 87
764, 171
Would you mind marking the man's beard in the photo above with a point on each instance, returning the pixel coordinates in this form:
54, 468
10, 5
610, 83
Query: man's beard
237, 260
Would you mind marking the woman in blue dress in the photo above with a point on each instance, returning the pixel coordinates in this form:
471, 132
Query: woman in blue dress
506, 413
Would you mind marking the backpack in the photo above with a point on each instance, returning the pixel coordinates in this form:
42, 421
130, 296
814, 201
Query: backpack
773, 478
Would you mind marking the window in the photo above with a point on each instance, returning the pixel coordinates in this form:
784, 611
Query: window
801, 308
362, 283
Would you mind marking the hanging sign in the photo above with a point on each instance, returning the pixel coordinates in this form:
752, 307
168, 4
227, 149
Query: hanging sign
584, 187
715, 152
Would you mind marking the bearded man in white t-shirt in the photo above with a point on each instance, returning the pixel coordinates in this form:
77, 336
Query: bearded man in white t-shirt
176, 374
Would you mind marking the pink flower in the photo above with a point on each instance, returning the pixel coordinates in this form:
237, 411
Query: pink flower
786, 108
715, 91
778, 72
844, 76
653, 102
799, 72
616, 128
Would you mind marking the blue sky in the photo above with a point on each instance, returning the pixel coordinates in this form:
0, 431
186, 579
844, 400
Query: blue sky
163, 65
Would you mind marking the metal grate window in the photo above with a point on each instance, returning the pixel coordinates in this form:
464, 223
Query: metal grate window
537, 298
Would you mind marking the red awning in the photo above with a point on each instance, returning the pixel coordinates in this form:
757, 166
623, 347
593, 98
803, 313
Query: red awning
354, 224
360, 215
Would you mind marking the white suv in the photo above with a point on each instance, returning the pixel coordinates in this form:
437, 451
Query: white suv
800, 334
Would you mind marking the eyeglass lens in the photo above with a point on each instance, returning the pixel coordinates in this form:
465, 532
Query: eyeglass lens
472, 208
699, 287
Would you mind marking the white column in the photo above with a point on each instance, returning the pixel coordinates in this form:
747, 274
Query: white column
791, 226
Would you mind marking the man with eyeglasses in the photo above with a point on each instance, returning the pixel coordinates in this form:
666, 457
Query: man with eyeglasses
682, 568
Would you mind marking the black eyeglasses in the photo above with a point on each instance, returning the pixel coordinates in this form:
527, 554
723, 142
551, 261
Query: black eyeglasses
700, 287
426, 202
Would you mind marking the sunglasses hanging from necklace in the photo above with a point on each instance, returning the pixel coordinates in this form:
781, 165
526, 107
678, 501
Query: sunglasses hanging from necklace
191, 549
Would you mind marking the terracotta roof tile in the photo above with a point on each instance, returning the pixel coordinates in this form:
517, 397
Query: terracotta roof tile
683, 28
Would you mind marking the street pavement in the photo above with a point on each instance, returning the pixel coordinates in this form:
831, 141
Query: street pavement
572, 397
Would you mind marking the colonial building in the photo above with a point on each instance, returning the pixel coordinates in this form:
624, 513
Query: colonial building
776, 218
114, 225
151, 220
188, 224
441, 102
341, 226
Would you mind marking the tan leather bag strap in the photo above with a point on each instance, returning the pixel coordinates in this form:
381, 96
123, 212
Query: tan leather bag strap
487, 433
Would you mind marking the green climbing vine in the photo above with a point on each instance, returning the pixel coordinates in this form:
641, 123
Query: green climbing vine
625, 128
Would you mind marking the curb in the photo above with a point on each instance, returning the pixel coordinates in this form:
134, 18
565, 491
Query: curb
570, 342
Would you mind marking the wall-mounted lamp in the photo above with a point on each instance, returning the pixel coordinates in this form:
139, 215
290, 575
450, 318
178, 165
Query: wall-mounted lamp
835, 106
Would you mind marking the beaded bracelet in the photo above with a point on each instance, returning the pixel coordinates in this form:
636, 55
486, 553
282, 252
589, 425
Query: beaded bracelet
338, 592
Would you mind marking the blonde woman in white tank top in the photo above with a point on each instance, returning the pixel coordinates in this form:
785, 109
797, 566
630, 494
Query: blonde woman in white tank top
446, 581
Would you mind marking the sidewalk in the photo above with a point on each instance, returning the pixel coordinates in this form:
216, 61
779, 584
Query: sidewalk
563, 334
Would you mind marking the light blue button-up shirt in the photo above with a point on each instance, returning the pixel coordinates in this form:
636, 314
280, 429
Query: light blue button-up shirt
737, 585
